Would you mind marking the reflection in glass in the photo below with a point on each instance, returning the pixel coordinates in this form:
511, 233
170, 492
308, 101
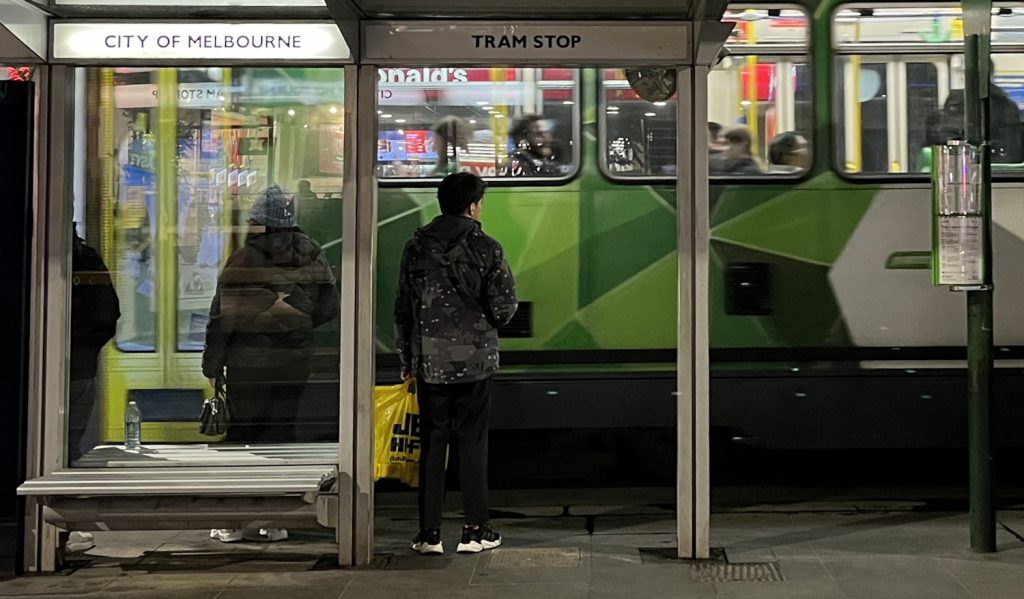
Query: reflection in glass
759, 121
890, 110
181, 159
494, 122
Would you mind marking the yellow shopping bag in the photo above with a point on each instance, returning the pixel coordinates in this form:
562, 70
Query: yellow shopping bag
396, 429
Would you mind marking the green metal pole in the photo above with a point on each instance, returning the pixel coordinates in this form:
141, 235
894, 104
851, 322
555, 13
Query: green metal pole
979, 301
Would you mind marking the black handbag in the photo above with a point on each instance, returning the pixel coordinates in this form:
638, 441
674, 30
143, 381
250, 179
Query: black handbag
216, 416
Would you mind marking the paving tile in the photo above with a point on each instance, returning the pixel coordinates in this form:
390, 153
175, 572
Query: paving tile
317, 592
743, 551
487, 575
804, 570
425, 570
127, 595
634, 525
365, 588
614, 578
623, 511
531, 591
53, 584
320, 578
632, 542
220, 563
781, 590
162, 594
750, 553
36, 596
893, 576
991, 580
183, 581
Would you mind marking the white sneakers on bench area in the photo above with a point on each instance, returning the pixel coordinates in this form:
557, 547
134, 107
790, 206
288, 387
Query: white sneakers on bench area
234, 535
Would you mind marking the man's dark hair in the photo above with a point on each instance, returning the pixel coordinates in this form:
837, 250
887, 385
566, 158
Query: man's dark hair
782, 145
457, 191
714, 130
524, 127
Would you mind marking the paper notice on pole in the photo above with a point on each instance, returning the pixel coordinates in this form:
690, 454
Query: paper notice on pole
961, 253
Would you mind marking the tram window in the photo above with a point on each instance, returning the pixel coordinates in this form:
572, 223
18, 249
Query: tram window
495, 122
759, 112
940, 25
759, 106
888, 109
213, 198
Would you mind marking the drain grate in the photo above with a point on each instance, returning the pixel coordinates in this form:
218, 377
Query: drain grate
548, 557
749, 572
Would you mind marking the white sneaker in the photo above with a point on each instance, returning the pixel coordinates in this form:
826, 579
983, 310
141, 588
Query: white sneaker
273, 534
79, 541
226, 535
428, 542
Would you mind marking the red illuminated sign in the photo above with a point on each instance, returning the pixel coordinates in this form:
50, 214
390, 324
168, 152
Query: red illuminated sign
19, 73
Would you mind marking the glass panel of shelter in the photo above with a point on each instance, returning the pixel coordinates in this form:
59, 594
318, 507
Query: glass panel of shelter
213, 214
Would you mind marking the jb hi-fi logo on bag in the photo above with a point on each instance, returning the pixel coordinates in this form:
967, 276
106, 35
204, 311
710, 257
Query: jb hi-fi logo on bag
405, 437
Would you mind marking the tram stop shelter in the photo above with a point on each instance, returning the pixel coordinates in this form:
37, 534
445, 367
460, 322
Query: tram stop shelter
78, 51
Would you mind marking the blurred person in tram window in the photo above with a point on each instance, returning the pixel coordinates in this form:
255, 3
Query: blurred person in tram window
455, 289
736, 158
535, 151
714, 138
1005, 122
451, 137
789, 153
94, 313
305, 192
271, 294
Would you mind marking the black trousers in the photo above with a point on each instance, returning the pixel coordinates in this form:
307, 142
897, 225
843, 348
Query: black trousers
83, 418
462, 410
265, 402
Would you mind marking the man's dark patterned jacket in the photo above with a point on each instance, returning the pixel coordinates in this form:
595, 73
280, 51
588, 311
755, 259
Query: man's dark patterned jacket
454, 290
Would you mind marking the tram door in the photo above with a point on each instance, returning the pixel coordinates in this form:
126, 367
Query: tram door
17, 99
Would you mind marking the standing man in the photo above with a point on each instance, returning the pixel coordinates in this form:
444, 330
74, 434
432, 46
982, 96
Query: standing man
94, 313
455, 289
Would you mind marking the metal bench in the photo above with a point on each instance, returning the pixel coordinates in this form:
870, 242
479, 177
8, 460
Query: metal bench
192, 487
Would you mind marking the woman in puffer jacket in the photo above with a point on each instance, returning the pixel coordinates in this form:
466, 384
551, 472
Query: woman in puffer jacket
270, 296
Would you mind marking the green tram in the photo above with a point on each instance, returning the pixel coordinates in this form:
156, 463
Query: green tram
826, 332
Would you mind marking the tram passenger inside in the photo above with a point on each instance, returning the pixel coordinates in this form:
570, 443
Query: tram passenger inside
1006, 129
788, 154
736, 158
451, 138
535, 151
714, 138
305, 192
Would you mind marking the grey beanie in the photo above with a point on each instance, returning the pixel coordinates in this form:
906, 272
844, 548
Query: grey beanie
273, 209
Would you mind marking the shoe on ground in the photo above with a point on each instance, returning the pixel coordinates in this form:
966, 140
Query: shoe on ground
479, 538
272, 535
79, 541
226, 535
428, 542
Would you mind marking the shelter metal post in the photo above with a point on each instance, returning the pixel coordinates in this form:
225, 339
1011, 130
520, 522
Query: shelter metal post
980, 341
692, 475
355, 468
50, 302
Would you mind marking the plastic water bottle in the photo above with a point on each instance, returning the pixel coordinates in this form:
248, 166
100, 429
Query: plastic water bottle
132, 428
